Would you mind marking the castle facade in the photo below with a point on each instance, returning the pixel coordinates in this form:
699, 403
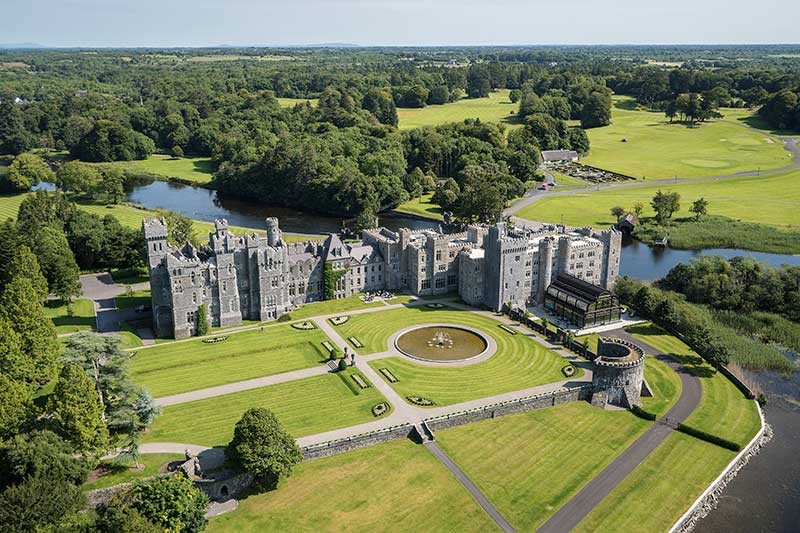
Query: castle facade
261, 277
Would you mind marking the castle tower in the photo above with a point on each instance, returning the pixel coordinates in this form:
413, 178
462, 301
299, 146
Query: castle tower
545, 268
612, 251
564, 253
273, 232
155, 234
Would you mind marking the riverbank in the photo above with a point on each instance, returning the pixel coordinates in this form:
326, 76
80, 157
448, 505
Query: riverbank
720, 232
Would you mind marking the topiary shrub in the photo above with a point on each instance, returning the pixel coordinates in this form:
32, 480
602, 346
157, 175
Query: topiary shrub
342, 365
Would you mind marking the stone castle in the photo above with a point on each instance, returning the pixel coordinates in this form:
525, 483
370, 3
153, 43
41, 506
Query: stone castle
261, 277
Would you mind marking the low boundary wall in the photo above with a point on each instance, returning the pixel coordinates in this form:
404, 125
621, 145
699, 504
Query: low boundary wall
520, 405
379, 436
738, 382
707, 501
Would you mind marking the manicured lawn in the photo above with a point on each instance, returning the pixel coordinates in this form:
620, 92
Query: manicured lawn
422, 206
592, 338
195, 169
304, 407
291, 102
121, 473
495, 108
770, 199
128, 336
661, 488
665, 385
81, 319
342, 305
655, 149
567, 182
129, 276
398, 486
177, 367
530, 464
518, 364
723, 409
134, 299
9, 205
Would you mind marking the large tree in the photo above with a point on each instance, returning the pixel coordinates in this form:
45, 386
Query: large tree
15, 406
22, 309
58, 262
28, 170
25, 264
78, 412
262, 447
665, 204
39, 503
172, 502
40, 453
597, 110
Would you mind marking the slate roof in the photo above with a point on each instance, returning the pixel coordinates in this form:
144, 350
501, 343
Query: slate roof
558, 155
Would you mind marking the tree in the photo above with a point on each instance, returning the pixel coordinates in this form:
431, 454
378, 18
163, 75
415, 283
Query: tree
665, 204
78, 412
380, 103
262, 447
514, 95
180, 229
22, 309
25, 264
110, 141
699, 207
428, 183
172, 502
177, 151
15, 406
438, 95
123, 519
39, 503
617, 211
597, 110
28, 170
79, 178
58, 263
41, 453
202, 320
638, 208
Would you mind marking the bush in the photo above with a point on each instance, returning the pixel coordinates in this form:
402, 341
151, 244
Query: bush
380, 409
342, 365
172, 502
708, 437
568, 371
334, 353
641, 413
262, 447
202, 320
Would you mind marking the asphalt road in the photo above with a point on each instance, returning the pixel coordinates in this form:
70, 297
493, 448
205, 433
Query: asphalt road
603, 483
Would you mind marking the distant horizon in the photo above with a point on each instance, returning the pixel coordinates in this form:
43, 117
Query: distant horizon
393, 23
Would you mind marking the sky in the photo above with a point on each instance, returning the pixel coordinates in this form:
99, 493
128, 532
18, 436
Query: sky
166, 23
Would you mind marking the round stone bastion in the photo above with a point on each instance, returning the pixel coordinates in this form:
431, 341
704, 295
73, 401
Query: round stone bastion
618, 377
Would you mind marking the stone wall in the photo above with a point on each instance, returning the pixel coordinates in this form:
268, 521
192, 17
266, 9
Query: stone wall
521, 405
358, 441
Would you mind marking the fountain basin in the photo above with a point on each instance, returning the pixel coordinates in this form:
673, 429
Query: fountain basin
442, 343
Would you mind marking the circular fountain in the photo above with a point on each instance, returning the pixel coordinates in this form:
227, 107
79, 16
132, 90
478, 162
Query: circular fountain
442, 343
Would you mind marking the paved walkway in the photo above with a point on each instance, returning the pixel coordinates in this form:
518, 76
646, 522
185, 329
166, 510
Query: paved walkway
101, 289
473, 489
580, 505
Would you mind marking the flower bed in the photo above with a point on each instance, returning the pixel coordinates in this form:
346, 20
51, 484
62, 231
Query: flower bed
355, 342
507, 329
388, 375
328, 346
307, 325
419, 400
339, 320
568, 371
215, 340
360, 381
380, 409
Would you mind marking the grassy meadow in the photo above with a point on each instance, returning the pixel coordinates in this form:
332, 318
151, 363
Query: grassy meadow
197, 170
771, 199
304, 407
542, 458
422, 206
398, 486
723, 409
116, 472
495, 108
163, 368
291, 102
660, 489
665, 385
655, 149
518, 364
82, 317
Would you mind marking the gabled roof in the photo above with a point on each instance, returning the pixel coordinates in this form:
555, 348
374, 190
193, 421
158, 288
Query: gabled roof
579, 288
334, 248
558, 155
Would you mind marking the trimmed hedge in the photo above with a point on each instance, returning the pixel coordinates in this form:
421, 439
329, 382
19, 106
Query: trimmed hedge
708, 437
641, 413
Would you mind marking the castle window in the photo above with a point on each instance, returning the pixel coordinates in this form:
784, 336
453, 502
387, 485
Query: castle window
426, 284
528, 283
193, 278
579, 265
516, 259
302, 287
528, 263
204, 292
160, 247
230, 269
224, 286
194, 297
590, 254
291, 289
589, 274
154, 247
452, 254
442, 268
440, 283
452, 279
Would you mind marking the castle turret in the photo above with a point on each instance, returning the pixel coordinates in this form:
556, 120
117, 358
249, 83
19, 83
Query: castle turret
564, 253
273, 231
155, 234
545, 268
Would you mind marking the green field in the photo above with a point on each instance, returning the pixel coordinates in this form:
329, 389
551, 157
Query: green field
656, 149
421, 206
660, 489
198, 170
82, 318
397, 486
134, 299
665, 385
119, 472
535, 462
164, 369
723, 409
772, 199
568, 182
496, 108
341, 305
291, 102
305, 407
518, 364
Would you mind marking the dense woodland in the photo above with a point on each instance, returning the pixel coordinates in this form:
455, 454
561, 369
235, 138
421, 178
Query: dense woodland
345, 156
